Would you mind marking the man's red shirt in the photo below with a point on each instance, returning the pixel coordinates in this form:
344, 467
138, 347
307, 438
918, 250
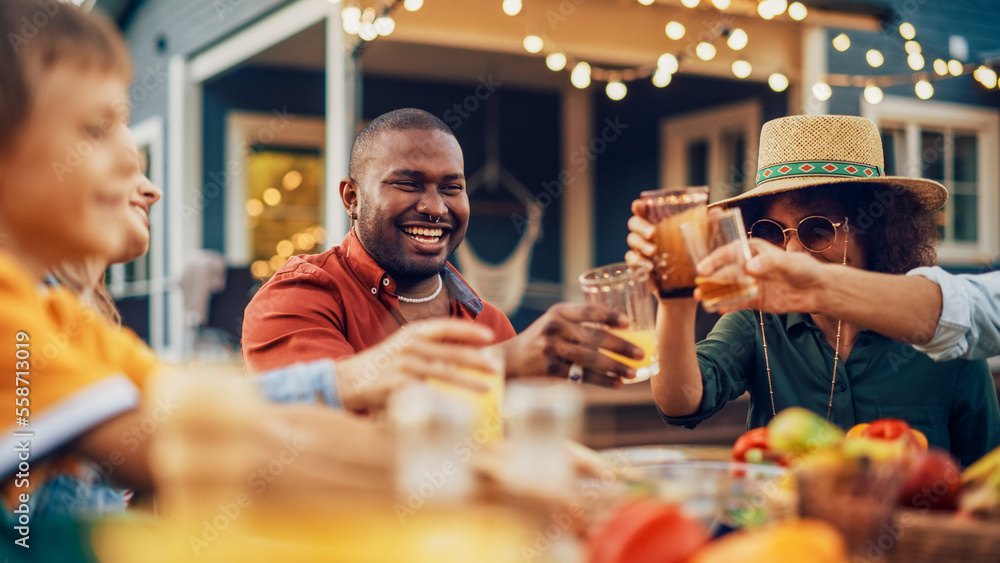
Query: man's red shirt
337, 304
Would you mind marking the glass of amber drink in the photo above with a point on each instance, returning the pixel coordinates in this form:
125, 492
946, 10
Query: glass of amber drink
618, 289
723, 235
486, 406
667, 209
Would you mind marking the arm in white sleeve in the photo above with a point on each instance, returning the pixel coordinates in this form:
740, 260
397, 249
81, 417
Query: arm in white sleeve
312, 382
969, 326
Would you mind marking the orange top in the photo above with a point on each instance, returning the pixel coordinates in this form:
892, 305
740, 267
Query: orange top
55, 349
331, 305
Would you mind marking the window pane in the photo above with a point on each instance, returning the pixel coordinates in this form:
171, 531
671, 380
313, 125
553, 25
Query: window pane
966, 162
697, 158
284, 206
734, 148
932, 155
889, 149
966, 223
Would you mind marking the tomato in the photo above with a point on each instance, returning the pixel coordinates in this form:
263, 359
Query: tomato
889, 429
754, 446
644, 531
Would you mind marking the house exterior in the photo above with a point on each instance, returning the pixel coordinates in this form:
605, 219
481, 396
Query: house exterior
247, 108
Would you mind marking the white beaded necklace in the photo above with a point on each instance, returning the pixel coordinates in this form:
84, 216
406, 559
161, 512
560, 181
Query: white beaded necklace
424, 299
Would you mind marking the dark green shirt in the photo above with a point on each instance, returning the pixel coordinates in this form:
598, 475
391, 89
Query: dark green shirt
954, 403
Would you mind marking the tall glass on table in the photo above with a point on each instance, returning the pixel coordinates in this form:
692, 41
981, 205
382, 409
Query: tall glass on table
666, 209
618, 289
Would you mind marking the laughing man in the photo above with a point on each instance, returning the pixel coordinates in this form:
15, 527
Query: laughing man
409, 209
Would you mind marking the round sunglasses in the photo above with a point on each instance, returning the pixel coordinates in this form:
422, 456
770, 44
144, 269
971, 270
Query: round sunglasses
815, 233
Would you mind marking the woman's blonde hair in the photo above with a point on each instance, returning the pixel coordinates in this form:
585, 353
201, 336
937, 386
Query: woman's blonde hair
74, 278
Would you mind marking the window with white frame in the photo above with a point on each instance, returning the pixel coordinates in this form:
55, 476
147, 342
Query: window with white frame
956, 145
143, 281
715, 147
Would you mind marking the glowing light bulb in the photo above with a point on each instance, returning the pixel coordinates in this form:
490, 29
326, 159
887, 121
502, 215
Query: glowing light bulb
737, 39
797, 11
675, 30
272, 196
923, 89
742, 69
955, 68
907, 31
291, 180
351, 18
254, 207
705, 51
260, 269
916, 61
721, 4
874, 58
285, 248
384, 25
912, 47
616, 90
690, 3
580, 77
766, 10
646, 2
986, 76
940, 67
667, 63
512, 7
822, 91
661, 78
367, 31
778, 6
873, 94
555, 61
778, 82
842, 42
533, 44
413, 5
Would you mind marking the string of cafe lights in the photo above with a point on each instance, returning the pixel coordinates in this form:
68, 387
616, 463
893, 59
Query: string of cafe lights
583, 72
921, 79
661, 73
372, 22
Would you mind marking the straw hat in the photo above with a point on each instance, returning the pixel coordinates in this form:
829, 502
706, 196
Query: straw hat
819, 150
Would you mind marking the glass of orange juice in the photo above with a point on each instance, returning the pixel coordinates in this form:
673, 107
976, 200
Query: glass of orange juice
618, 289
486, 406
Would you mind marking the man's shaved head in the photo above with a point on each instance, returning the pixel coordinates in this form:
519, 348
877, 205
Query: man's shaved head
404, 119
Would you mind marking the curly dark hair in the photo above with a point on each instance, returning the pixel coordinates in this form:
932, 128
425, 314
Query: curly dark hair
896, 232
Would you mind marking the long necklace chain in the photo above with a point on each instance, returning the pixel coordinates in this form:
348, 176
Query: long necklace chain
424, 299
836, 355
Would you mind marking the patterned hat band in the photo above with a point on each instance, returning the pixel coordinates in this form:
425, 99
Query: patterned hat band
818, 168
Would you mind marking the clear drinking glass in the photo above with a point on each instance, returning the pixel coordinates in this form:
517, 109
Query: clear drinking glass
618, 289
667, 209
720, 233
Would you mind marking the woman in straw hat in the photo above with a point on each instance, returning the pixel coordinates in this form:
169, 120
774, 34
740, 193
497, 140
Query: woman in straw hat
821, 190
